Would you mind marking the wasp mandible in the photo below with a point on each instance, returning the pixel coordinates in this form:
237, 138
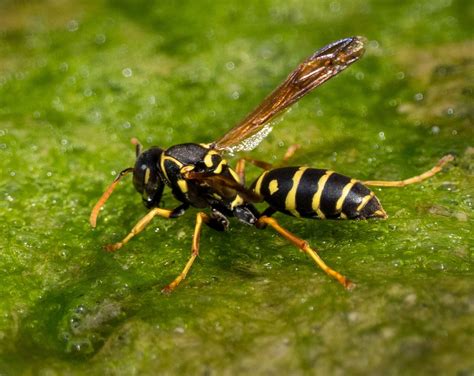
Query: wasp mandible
200, 177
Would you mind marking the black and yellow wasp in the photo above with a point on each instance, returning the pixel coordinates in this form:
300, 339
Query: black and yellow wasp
200, 177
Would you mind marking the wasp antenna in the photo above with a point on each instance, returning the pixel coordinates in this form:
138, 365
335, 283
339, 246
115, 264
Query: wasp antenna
105, 196
138, 146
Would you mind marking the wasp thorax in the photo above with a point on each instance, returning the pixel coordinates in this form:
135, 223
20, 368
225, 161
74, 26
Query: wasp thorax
147, 176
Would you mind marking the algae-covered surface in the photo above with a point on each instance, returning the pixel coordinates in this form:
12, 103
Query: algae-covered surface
79, 79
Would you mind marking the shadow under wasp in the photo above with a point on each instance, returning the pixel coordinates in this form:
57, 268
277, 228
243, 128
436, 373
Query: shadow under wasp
200, 177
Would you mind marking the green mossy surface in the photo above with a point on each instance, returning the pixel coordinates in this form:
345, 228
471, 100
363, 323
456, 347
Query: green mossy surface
78, 80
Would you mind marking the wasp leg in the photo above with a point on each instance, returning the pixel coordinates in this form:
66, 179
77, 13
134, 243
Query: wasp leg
416, 179
304, 246
105, 196
142, 223
289, 153
200, 218
240, 167
240, 170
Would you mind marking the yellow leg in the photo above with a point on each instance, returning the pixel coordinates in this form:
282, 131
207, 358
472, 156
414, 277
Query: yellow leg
139, 227
200, 219
240, 167
240, 170
304, 246
413, 180
105, 196
290, 152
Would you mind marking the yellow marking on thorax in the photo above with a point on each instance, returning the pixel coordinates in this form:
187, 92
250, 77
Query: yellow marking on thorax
364, 201
345, 192
317, 196
208, 158
273, 186
185, 169
237, 201
290, 201
183, 185
162, 164
258, 184
234, 174
147, 176
220, 166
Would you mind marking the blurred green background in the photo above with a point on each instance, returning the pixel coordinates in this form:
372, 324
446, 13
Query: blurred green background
79, 79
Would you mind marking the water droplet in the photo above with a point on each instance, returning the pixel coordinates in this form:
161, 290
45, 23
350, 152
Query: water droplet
100, 38
419, 97
127, 72
374, 44
230, 65
353, 316
72, 26
393, 102
335, 7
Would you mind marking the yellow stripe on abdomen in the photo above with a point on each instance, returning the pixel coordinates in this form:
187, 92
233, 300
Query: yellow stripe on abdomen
345, 192
258, 183
290, 201
315, 205
364, 201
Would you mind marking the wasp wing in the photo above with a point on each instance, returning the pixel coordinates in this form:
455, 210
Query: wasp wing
317, 69
220, 182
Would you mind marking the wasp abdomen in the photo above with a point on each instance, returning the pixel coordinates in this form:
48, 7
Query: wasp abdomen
314, 193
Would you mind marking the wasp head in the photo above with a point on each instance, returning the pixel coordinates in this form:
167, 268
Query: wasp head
147, 177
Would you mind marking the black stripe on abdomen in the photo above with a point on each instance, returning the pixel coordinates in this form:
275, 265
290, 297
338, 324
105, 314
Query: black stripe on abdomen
307, 188
331, 194
282, 178
354, 199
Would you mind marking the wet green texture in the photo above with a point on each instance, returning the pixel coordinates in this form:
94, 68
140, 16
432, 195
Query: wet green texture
79, 79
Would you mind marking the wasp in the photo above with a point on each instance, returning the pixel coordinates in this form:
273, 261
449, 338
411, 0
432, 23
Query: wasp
199, 176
